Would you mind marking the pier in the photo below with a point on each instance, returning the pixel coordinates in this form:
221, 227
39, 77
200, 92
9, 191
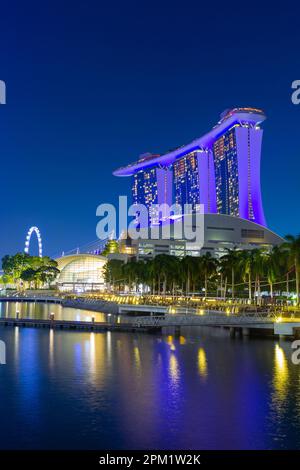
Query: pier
239, 324
38, 299
79, 325
159, 318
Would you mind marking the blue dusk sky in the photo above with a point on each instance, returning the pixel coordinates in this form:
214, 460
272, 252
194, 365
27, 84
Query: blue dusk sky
91, 85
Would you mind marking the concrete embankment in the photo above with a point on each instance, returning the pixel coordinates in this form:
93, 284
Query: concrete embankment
101, 306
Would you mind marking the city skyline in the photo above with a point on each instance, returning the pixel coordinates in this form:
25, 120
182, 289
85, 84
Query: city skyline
71, 116
150, 240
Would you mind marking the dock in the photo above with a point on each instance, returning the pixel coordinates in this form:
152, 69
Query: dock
41, 299
79, 325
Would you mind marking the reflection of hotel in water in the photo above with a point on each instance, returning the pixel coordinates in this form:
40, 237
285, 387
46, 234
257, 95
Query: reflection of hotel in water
220, 170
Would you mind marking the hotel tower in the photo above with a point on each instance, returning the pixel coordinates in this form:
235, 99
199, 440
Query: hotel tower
220, 170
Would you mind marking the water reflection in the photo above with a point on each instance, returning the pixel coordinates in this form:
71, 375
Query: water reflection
137, 358
51, 347
281, 375
42, 311
170, 341
182, 340
173, 369
16, 341
65, 389
202, 363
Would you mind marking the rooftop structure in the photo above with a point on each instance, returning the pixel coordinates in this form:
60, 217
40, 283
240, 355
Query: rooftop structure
220, 170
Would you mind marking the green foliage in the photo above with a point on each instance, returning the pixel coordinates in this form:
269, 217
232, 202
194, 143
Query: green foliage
111, 246
113, 271
238, 272
30, 269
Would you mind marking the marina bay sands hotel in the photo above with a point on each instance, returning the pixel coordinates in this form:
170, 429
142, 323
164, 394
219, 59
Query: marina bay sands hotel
220, 171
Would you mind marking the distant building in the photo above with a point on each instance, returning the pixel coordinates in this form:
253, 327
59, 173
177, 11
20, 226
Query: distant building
219, 233
81, 272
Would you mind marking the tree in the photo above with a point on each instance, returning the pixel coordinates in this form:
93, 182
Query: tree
23, 267
14, 266
29, 275
6, 279
190, 271
111, 246
246, 266
292, 246
47, 274
208, 265
258, 269
272, 264
162, 266
113, 272
229, 263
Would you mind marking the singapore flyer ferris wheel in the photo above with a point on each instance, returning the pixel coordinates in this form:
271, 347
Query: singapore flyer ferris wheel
39, 238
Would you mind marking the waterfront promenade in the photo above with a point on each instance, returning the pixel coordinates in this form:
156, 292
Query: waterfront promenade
157, 317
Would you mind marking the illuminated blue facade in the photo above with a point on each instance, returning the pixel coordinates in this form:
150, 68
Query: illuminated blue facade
226, 174
150, 187
220, 170
144, 190
186, 180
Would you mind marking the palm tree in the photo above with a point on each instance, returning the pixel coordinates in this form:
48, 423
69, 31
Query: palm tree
258, 269
208, 266
189, 269
292, 246
246, 264
230, 263
272, 264
150, 277
163, 266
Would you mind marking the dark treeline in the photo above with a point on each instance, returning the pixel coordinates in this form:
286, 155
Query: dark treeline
239, 273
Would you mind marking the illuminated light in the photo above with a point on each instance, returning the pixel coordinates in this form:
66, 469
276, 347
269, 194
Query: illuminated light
51, 347
28, 238
16, 342
279, 320
137, 357
173, 368
281, 376
92, 351
202, 362
182, 340
170, 342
